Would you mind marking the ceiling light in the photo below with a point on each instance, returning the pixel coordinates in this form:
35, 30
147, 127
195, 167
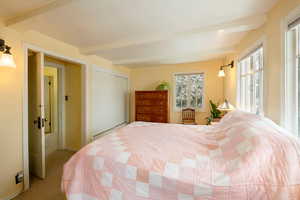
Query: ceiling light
6, 59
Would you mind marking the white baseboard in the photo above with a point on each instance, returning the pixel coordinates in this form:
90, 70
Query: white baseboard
95, 137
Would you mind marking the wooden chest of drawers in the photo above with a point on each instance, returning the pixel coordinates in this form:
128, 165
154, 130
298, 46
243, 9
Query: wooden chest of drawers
152, 106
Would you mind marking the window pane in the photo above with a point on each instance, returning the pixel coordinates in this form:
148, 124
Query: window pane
189, 91
242, 93
196, 84
248, 65
193, 92
181, 90
243, 67
248, 93
251, 82
291, 86
257, 92
257, 60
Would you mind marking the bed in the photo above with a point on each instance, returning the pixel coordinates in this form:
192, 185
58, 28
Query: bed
245, 156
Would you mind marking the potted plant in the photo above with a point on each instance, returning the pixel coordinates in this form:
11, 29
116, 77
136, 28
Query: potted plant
163, 86
215, 113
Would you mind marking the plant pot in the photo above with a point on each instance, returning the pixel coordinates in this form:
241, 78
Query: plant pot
162, 87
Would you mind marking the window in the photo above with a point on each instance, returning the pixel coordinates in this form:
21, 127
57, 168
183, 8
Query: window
189, 91
292, 81
250, 82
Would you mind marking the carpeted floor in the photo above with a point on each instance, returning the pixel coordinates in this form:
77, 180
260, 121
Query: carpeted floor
48, 189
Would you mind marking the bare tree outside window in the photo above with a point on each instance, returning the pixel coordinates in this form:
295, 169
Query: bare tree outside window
189, 90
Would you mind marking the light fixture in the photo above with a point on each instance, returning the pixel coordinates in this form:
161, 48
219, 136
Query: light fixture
222, 71
226, 106
6, 59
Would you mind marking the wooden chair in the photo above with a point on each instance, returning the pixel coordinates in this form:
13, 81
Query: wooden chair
188, 116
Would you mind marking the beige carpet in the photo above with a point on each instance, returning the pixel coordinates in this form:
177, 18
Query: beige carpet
48, 189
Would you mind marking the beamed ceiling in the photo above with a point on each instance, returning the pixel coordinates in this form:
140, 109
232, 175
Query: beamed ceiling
141, 32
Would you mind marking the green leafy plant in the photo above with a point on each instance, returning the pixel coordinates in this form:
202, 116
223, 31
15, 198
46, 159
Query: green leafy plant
215, 113
163, 86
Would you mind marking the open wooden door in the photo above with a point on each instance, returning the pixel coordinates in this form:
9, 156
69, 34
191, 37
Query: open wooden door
36, 115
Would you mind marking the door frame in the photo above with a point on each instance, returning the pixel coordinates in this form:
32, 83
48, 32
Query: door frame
84, 102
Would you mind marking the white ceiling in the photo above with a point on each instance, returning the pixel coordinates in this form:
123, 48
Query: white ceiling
140, 32
11, 8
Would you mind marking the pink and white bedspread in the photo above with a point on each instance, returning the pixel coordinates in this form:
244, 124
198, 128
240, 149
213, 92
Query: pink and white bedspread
243, 157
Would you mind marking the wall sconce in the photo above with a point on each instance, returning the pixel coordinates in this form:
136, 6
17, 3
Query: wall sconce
6, 59
222, 71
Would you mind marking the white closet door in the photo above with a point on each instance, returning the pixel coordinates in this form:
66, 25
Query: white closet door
109, 96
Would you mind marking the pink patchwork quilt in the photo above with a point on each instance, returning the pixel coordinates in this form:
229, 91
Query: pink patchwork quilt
243, 157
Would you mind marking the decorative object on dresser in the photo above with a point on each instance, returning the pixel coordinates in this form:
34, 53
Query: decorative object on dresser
188, 116
152, 106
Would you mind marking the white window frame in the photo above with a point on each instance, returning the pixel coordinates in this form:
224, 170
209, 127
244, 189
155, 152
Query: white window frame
176, 109
289, 91
262, 42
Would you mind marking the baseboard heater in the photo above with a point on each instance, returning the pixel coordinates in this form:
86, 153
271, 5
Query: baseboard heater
102, 133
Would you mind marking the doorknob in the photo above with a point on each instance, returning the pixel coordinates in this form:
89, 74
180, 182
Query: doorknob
40, 122
43, 122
